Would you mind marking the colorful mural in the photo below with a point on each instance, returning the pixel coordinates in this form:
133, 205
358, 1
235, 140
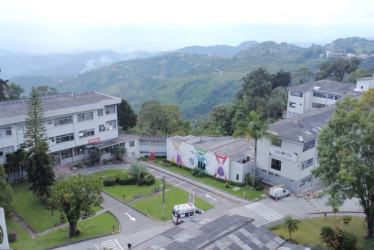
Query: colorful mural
202, 160
219, 171
178, 156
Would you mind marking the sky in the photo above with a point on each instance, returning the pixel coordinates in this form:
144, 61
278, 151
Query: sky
45, 26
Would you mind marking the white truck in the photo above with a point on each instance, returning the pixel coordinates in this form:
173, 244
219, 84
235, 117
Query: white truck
184, 212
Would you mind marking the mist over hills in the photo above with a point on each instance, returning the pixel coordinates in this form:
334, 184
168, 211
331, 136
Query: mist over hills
196, 78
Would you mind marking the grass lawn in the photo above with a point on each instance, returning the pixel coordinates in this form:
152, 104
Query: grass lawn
309, 231
95, 226
28, 206
174, 196
128, 190
233, 189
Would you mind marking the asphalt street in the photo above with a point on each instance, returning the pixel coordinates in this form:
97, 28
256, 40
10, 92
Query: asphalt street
136, 228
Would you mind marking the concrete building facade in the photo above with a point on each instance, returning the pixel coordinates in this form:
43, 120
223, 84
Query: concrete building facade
73, 121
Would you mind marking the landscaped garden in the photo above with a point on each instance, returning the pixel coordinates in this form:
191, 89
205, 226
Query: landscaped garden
231, 187
39, 217
152, 205
308, 231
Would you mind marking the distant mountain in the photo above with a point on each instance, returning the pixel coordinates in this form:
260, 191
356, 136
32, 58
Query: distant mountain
218, 50
351, 45
15, 64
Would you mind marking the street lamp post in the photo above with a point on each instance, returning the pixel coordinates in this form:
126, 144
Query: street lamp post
163, 198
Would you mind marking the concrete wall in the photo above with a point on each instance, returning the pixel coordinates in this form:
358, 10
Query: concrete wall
157, 146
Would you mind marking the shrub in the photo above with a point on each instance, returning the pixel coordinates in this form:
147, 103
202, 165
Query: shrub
327, 233
275, 227
147, 180
105, 161
109, 181
120, 176
197, 172
227, 185
127, 179
349, 241
79, 231
12, 237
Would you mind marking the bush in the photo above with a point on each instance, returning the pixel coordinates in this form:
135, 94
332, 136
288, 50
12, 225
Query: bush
109, 181
79, 231
127, 179
227, 185
12, 237
349, 241
105, 161
120, 176
147, 180
275, 227
197, 172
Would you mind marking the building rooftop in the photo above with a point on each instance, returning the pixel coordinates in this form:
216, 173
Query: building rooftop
114, 141
327, 86
304, 127
226, 232
52, 102
225, 146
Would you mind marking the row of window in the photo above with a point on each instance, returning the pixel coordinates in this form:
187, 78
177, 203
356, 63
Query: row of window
5, 131
69, 152
297, 93
326, 95
317, 105
306, 164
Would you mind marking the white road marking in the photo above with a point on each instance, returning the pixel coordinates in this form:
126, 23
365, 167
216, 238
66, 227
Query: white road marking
180, 183
109, 244
118, 244
264, 211
131, 218
207, 195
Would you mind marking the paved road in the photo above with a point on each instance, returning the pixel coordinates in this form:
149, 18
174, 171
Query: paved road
138, 228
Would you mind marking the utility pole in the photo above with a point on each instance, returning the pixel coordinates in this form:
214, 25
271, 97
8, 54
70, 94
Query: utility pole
163, 198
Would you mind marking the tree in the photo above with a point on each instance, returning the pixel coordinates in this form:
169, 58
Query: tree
6, 192
291, 224
45, 90
252, 128
126, 116
14, 91
280, 79
302, 75
359, 73
3, 86
152, 118
337, 69
119, 152
37, 160
345, 153
76, 196
14, 162
137, 169
257, 83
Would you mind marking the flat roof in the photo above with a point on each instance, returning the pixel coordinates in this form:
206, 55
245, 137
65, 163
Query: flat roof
111, 142
225, 146
327, 86
53, 102
304, 127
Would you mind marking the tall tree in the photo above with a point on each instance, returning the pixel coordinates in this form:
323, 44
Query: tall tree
14, 91
291, 224
346, 156
6, 192
252, 128
76, 196
280, 79
257, 83
126, 116
3, 86
45, 90
152, 118
337, 69
37, 160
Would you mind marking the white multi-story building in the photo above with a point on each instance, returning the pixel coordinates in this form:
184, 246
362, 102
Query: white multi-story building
310, 96
75, 123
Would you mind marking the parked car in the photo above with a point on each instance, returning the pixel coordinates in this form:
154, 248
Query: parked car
278, 193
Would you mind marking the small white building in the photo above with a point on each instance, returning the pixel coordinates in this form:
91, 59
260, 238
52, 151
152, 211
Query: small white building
306, 97
290, 160
366, 83
155, 144
223, 157
75, 123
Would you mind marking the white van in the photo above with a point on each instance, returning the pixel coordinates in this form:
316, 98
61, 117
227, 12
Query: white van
184, 212
278, 193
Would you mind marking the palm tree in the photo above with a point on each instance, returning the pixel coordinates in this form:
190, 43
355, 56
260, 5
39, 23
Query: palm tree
252, 128
291, 224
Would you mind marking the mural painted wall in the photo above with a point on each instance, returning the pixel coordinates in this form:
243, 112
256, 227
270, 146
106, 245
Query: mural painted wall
187, 155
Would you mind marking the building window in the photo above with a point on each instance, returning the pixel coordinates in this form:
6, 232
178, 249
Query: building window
276, 143
317, 105
131, 143
85, 116
107, 150
306, 164
293, 104
66, 154
21, 127
297, 93
319, 94
109, 125
5, 131
100, 112
79, 151
264, 171
271, 173
63, 120
333, 96
309, 145
237, 177
6, 150
86, 133
51, 139
276, 164
110, 109
49, 121
64, 138
276, 175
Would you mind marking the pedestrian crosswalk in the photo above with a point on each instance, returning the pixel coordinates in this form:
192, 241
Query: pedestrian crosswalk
264, 211
109, 244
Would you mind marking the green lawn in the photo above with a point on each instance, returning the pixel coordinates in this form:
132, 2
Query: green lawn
28, 206
233, 189
174, 196
309, 231
95, 226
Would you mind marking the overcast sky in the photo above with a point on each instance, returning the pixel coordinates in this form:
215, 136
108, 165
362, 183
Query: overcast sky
155, 25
